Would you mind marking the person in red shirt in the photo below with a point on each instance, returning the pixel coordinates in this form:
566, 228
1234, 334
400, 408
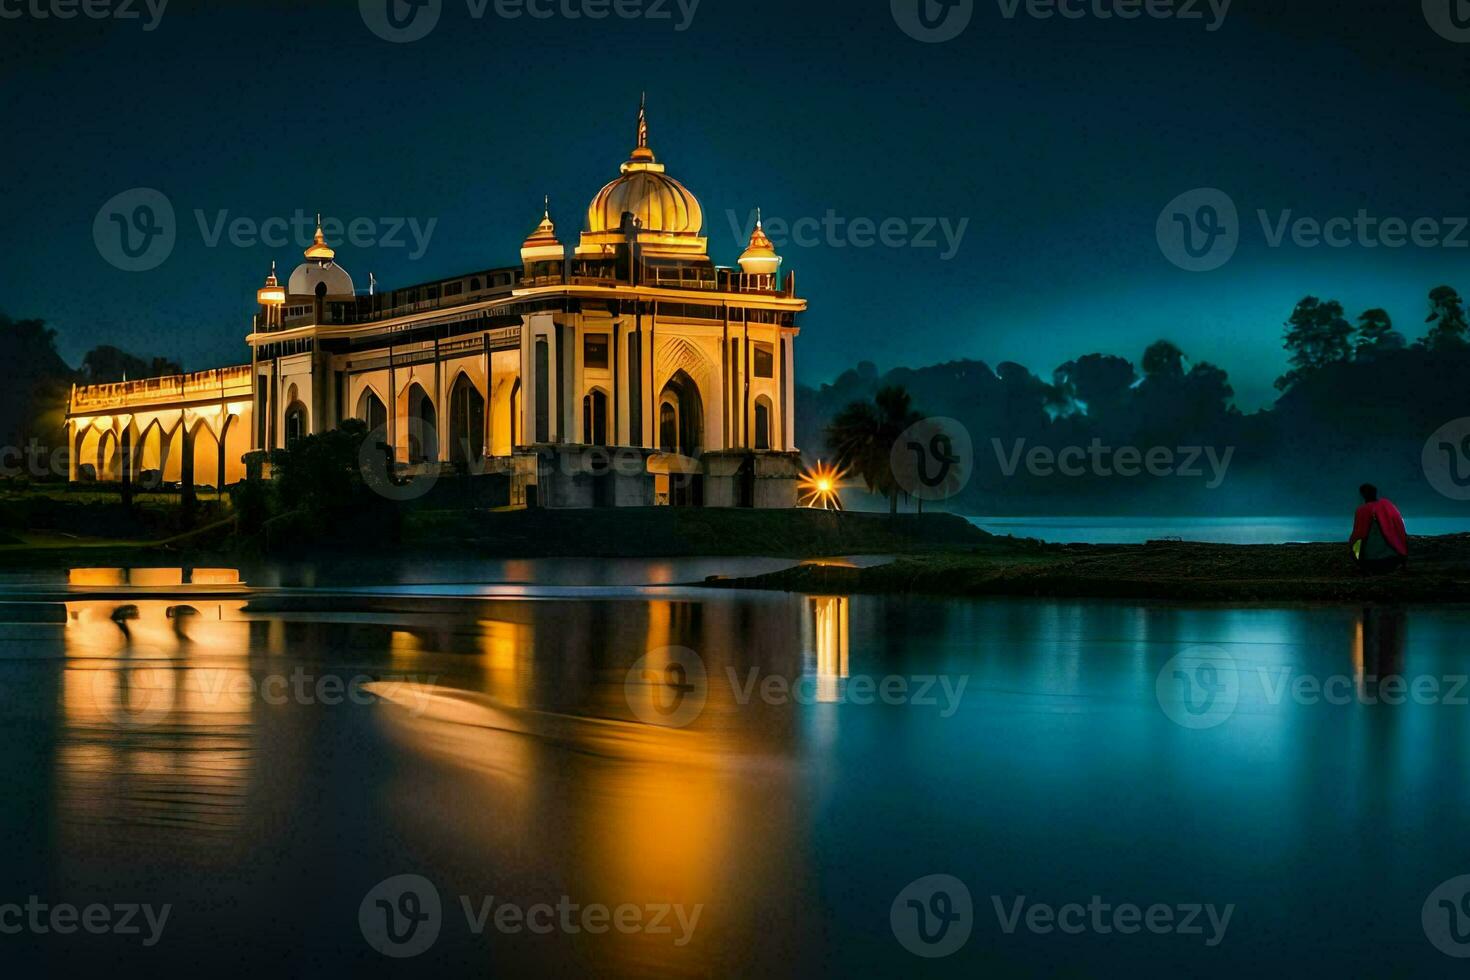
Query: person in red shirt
1380, 541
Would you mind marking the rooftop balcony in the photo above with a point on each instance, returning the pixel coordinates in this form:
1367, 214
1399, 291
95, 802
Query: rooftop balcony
493, 284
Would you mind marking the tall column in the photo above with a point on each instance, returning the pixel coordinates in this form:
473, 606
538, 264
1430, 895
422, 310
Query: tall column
224, 431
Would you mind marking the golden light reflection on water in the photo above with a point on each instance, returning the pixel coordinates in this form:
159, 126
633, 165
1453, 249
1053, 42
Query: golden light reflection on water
830, 632
156, 704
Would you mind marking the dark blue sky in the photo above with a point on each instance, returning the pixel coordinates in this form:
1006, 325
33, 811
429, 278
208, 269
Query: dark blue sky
1059, 140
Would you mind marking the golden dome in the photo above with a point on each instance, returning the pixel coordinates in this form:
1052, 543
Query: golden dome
319, 249
657, 201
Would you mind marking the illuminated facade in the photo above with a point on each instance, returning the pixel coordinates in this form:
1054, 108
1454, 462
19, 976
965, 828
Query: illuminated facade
627, 370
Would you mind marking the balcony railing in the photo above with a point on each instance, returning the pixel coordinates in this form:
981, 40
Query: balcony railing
230, 382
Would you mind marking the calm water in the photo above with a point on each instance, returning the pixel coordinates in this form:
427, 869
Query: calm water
1218, 530
186, 740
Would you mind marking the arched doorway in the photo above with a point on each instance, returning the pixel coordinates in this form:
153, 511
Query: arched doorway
373, 412
466, 423
149, 456
681, 416
234, 447
109, 465
763, 423
206, 455
296, 423
423, 426
594, 418
86, 454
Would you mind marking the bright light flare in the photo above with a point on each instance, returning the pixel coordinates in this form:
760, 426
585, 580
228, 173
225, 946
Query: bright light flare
819, 487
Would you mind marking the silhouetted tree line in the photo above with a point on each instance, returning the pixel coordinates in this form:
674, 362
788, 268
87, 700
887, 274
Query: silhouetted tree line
1357, 404
35, 381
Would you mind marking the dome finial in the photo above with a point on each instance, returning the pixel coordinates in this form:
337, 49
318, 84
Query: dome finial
642, 153
759, 257
319, 249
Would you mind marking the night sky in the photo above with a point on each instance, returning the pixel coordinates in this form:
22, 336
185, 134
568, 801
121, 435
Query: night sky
1059, 141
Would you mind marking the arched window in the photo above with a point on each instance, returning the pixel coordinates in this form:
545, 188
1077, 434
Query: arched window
594, 418
763, 423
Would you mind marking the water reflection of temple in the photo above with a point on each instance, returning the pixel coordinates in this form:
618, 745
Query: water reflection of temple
156, 709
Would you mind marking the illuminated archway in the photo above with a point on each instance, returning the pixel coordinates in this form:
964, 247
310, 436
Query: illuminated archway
235, 446
423, 426
297, 423
206, 456
466, 423
763, 423
594, 418
681, 416
109, 458
373, 412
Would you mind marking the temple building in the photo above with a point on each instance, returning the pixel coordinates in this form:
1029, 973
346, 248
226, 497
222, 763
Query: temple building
622, 369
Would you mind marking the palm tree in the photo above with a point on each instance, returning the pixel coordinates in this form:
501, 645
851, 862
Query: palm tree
862, 435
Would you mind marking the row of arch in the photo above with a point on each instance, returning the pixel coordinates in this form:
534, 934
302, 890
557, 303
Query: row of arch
419, 417
681, 420
182, 453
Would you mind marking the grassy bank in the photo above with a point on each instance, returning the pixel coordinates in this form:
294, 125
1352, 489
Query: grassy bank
1439, 572
636, 533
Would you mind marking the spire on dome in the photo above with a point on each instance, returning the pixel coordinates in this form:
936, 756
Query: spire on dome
641, 152
319, 250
